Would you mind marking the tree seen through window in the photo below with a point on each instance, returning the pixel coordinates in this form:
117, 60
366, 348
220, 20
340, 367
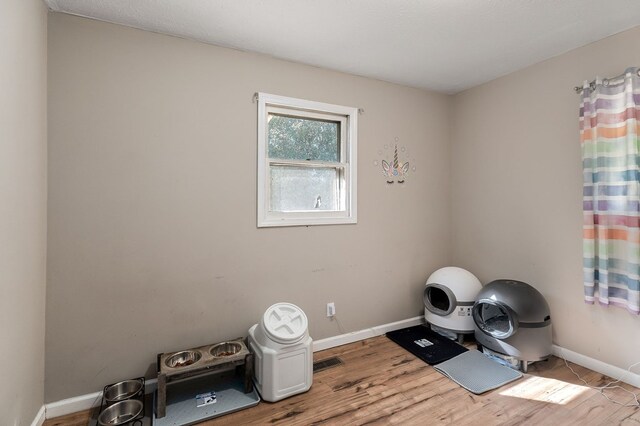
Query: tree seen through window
294, 138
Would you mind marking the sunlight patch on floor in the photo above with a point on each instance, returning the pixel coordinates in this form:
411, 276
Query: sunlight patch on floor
545, 390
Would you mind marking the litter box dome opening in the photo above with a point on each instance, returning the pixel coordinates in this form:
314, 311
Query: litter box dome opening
494, 318
439, 299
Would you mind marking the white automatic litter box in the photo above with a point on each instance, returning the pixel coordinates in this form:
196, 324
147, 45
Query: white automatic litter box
282, 351
448, 298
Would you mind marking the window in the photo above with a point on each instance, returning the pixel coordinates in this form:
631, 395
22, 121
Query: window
306, 162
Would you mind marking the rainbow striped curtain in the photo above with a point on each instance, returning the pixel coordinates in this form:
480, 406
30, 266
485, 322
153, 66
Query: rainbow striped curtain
609, 114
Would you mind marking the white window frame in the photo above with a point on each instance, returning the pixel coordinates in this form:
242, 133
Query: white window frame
348, 117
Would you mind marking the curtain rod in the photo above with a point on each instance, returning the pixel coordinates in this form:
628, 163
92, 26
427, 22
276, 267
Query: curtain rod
605, 81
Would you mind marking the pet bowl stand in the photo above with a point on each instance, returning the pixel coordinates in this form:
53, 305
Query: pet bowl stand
205, 363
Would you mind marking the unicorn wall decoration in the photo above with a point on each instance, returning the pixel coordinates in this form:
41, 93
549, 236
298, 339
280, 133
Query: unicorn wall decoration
395, 171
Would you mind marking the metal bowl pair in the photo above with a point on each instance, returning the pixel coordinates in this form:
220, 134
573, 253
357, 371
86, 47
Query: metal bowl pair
186, 358
120, 413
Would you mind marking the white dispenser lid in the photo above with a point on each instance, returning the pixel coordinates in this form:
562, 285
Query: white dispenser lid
284, 323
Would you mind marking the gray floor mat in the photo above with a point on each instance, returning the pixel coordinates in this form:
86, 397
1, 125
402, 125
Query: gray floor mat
475, 372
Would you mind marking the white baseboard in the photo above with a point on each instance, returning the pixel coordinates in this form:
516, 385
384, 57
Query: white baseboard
355, 336
84, 402
73, 405
40, 417
598, 366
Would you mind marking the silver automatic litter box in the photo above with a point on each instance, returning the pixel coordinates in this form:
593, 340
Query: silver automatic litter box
513, 322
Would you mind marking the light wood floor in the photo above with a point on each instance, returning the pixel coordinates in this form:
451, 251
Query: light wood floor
380, 383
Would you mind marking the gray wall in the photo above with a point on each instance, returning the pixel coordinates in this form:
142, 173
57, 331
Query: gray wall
517, 191
153, 244
23, 197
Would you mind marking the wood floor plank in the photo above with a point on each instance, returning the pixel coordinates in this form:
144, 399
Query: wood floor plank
381, 383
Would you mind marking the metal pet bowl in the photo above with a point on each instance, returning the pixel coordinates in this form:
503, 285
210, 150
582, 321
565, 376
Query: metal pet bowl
122, 390
222, 350
120, 413
183, 359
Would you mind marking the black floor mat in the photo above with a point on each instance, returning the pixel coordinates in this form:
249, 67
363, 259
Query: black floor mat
427, 345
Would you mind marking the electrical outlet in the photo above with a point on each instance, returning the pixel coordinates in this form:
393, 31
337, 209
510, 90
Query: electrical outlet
331, 309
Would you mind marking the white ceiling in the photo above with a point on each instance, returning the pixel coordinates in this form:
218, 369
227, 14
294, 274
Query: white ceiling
442, 45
